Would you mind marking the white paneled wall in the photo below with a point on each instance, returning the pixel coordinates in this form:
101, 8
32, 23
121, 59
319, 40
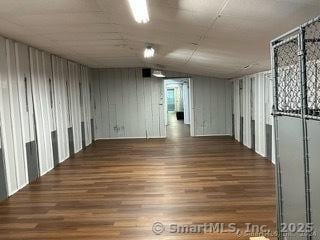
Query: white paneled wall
16, 116
7, 124
256, 105
236, 108
126, 105
85, 105
75, 108
60, 78
129, 106
34, 108
40, 76
211, 106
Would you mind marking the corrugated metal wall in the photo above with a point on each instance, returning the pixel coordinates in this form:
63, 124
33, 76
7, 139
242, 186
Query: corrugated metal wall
37, 110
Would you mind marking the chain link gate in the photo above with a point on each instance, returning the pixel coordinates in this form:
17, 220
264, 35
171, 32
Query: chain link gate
296, 74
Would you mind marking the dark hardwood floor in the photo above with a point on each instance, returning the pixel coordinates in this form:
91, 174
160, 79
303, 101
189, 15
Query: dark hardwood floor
118, 189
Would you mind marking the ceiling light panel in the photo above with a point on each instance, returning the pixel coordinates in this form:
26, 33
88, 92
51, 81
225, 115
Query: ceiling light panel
158, 74
149, 52
139, 10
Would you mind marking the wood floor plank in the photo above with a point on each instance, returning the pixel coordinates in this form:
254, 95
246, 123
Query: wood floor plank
117, 189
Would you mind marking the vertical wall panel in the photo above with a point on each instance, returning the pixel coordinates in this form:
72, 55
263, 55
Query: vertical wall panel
68, 70
148, 107
218, 123
228, 108
186, 104
236, 109
16, 115
74, 83
112, 92
141, 111
257, 113
82, 94
85, 105
261, 133
118, 101
292, 178
91, 103
198, 88
314, 153
157, 89
128, 105
161, 108
247, 111
3, 173
51, 115
207, 105
131, 106
129, 100
252, 112
61, 103
41, 95
34, 113
26, 107
5, 111
77, 109
99, 127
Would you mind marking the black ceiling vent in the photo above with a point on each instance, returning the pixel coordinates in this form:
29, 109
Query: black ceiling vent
146, 72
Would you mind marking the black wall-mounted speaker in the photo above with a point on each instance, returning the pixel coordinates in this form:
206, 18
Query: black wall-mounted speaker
146, 72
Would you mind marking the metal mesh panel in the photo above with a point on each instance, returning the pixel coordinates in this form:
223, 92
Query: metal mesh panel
288, 83
312, 46
296, 65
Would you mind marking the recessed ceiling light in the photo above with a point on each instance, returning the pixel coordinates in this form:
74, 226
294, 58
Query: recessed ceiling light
149, 52
158, 74
139, 10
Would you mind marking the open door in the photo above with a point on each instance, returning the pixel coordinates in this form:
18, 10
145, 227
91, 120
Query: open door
178, 102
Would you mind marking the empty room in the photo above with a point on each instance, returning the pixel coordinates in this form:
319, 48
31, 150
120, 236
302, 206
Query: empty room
159, 119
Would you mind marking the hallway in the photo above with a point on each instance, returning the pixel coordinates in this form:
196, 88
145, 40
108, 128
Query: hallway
176, 129
118, 189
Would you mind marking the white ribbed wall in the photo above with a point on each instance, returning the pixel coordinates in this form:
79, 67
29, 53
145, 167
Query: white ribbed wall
126, 105
262, 109
33, 104
211, 106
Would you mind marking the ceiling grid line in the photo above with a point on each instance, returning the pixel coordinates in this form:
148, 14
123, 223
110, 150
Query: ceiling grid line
224, 5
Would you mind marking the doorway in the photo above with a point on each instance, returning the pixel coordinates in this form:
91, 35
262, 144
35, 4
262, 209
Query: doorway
177, 107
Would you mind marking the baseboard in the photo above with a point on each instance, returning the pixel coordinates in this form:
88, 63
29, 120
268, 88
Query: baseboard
66, 158
12, 193
45, 172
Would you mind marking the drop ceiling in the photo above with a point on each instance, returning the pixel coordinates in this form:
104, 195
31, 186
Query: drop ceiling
205, 37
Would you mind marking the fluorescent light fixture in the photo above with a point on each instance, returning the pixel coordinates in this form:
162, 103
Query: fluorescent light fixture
149, 52
139, 10
158, 74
